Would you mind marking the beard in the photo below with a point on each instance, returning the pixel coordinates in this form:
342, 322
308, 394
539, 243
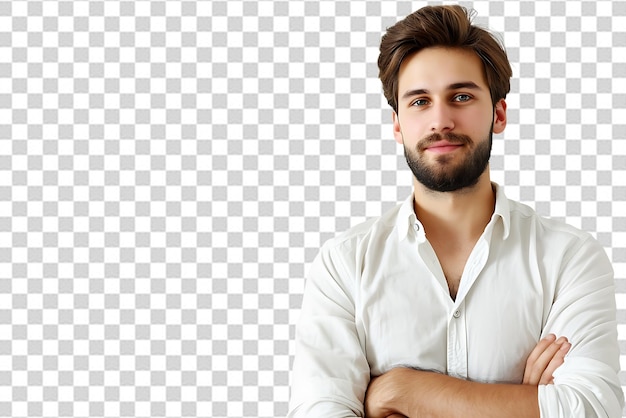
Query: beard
444, 175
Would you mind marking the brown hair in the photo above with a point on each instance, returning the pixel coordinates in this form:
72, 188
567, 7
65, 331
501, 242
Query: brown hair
443, 26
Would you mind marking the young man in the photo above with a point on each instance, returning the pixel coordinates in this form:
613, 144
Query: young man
451, 303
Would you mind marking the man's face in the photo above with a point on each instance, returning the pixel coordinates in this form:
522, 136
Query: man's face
445, 118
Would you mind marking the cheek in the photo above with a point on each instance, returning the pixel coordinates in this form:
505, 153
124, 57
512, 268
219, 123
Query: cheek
477, 121
414, 128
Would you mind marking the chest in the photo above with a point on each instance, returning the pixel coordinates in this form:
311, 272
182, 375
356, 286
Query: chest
452, 259
470, 338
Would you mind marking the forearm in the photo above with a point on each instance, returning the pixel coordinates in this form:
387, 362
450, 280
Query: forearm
426, 394
449, 397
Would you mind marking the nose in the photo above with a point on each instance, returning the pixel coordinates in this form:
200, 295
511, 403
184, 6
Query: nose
442, 118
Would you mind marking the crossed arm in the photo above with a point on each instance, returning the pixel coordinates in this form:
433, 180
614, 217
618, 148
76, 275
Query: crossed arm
332, 371
403, 392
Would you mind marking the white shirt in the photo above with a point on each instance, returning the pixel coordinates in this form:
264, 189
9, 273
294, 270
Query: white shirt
376, 298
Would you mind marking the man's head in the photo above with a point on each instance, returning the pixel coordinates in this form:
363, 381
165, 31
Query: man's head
441, 26
446, 81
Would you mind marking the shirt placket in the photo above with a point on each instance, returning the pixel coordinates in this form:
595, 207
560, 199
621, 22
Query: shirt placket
457, 325
457, 343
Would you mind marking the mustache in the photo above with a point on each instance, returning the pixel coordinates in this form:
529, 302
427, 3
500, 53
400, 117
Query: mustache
450, 137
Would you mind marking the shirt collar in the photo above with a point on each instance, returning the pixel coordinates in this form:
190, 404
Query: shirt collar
407, 219
502, 210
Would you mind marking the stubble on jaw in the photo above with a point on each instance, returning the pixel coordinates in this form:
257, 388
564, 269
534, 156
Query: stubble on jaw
442, 175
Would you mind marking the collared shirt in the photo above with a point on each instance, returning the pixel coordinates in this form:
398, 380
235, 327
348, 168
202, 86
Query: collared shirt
376, 298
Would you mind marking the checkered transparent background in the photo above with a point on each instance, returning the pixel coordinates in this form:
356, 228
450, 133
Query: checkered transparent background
169, 168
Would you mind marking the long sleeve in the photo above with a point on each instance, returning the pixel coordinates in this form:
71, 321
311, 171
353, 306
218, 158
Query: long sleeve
330, 371
587, 384
373, 301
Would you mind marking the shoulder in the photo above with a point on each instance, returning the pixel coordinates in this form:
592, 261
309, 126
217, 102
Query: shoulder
553, 235
341, 258
366, 233
525, 215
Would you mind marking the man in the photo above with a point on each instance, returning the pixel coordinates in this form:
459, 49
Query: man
451, 303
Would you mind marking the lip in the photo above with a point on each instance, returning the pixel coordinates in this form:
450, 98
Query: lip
442, 147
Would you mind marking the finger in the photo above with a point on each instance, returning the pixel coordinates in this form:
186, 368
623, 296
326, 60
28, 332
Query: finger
540, 365
541, 346
536, 368
557, 360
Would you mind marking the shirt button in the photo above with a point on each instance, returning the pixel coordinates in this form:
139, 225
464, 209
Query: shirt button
457, 314
416, 227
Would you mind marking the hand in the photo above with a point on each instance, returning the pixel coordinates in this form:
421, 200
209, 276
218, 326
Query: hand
545, 358
379, 398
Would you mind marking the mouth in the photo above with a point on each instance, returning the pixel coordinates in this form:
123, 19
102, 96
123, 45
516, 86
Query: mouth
442, 147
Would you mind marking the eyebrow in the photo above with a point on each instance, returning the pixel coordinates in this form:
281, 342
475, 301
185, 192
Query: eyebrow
455, 86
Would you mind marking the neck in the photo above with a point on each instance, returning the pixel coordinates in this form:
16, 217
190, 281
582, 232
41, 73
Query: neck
462, 214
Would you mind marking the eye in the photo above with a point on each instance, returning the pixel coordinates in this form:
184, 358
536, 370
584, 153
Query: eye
419, 102
462, 98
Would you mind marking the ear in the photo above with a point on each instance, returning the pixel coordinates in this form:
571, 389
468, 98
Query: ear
397, 130
499, 117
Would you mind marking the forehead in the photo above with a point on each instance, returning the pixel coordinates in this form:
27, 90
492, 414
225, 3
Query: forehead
433, 68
